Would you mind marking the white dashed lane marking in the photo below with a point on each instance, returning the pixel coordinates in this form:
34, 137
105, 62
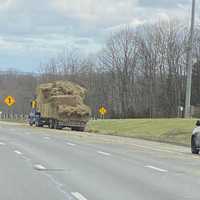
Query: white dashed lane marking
59, 186
103, 153
78, 196
47, 138
70, 144
156, 168
39, 167
18, 152
2, 144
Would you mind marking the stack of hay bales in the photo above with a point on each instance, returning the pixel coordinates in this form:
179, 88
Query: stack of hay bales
62, 100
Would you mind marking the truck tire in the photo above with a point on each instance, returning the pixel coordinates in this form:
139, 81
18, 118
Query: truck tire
37, 124
56, 125
51, 124
79, 129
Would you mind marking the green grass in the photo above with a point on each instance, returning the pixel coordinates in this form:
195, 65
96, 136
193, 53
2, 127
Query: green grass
176, 131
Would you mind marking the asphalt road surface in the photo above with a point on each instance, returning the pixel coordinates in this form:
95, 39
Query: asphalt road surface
43, 164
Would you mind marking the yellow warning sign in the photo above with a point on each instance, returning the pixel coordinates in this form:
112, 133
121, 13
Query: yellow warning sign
102, 110
9, 101
34, 104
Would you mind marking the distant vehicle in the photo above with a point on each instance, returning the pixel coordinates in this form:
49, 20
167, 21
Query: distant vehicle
58, 105
195, 139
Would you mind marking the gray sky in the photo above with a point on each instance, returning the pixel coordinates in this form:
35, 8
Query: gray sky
36, 30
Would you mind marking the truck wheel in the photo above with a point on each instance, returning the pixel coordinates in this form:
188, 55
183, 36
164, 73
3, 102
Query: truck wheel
80, 129
56, 125
51, 123
37, 124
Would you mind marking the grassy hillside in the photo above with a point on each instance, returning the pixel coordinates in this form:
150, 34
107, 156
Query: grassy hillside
165, 130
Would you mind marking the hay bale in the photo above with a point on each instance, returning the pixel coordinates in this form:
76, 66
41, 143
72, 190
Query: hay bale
78, 111
69, 88
69, 100
62, 100
58, 88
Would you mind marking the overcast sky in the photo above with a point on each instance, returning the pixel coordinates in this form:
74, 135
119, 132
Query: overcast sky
32, 31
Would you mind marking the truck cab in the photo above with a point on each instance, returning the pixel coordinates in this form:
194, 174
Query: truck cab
34, 117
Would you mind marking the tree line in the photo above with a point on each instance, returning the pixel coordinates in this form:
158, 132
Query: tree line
138, 73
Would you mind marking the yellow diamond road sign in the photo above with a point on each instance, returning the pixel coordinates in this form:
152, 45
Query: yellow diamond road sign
34, 104
102, 110
9, 101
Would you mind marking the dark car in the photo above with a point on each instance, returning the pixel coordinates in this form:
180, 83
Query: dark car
195, 139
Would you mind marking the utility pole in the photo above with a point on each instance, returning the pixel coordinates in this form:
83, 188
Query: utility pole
189, 64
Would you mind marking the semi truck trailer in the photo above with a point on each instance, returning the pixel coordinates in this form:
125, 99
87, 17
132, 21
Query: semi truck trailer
58, 105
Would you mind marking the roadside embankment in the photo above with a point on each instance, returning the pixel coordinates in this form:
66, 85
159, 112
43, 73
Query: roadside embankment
177, 131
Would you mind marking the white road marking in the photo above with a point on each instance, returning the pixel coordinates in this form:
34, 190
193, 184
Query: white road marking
18, 152
47, 138
1, 143
152, 148
26, 158
103, 153
71, 144
59, 186
78, 196
39, 167
28, 133
156, 168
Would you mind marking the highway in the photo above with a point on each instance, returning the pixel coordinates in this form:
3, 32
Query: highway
43, 164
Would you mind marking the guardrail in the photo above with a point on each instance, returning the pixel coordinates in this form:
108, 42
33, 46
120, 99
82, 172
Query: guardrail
13, 117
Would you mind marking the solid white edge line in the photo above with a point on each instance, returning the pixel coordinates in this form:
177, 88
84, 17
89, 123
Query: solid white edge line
18, 152
153, 149
39, 167
156, 168
78, 196
103, 153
